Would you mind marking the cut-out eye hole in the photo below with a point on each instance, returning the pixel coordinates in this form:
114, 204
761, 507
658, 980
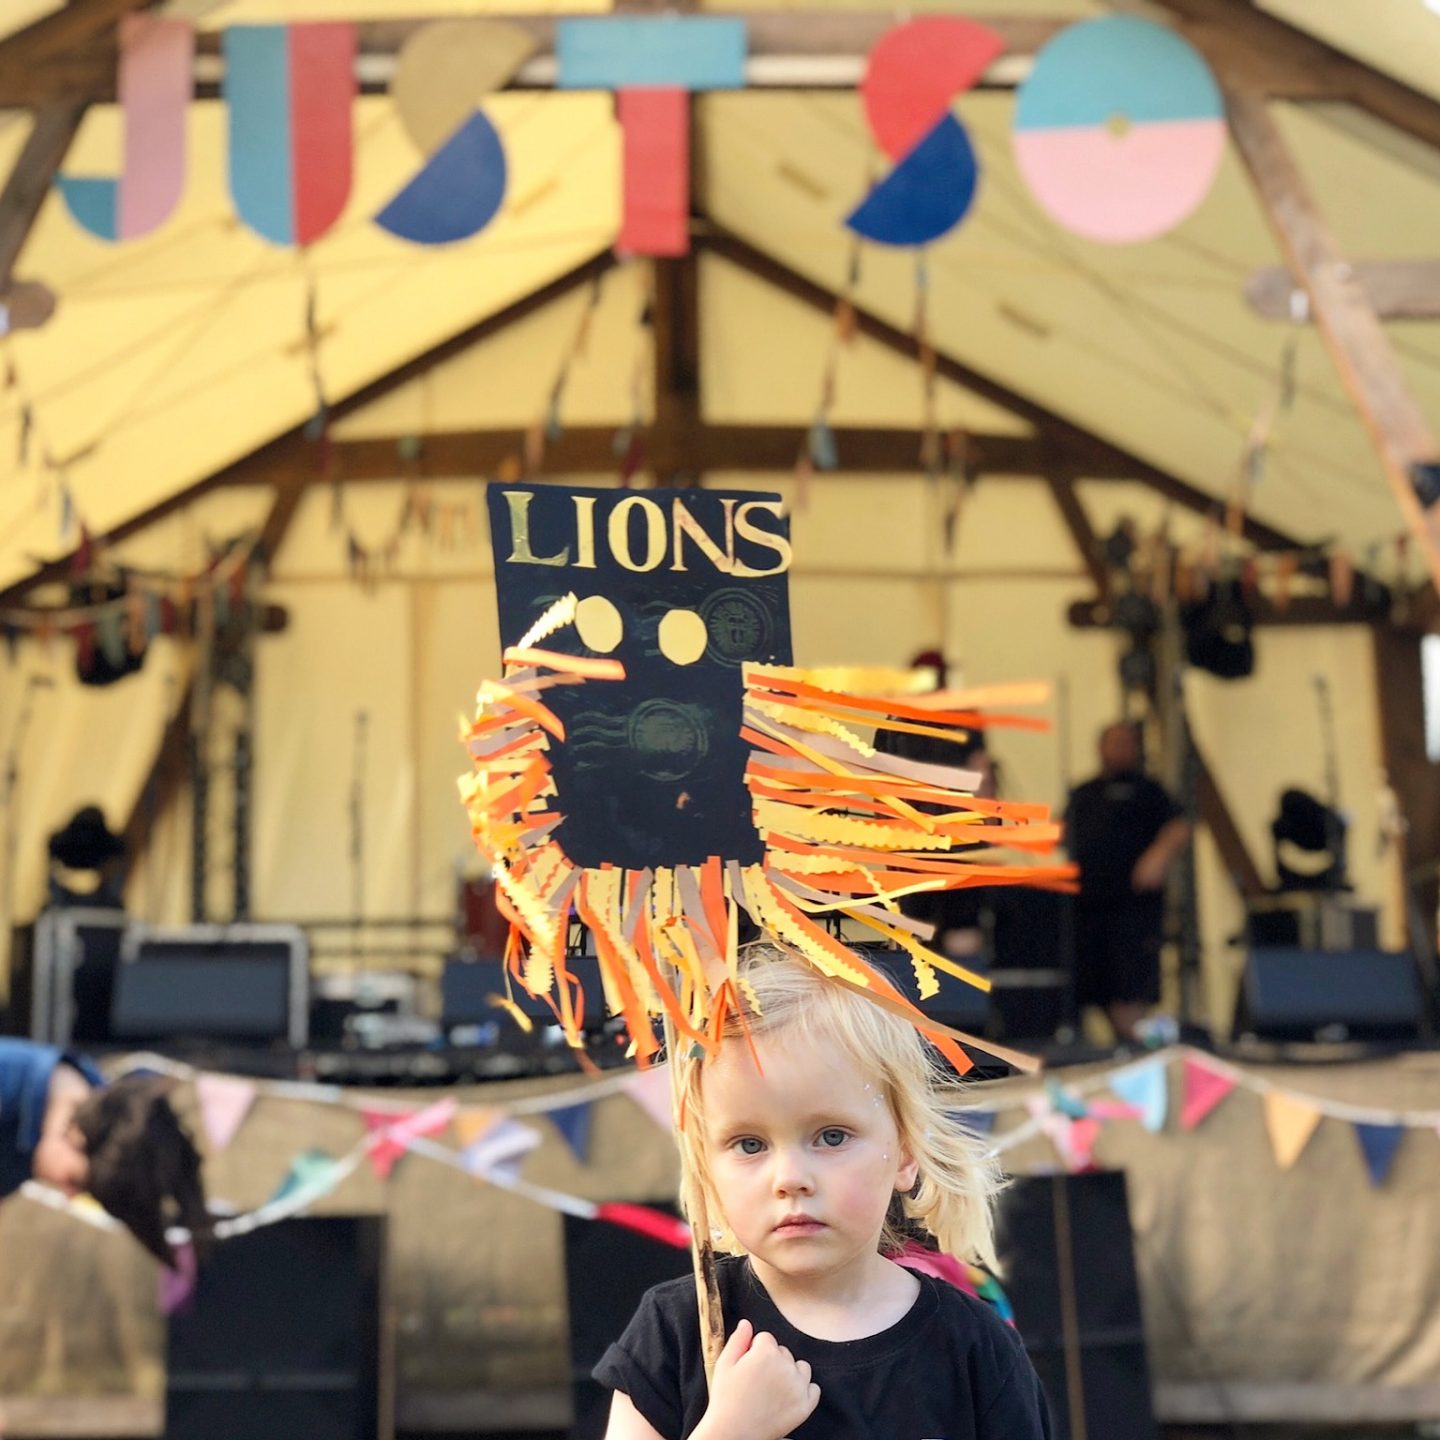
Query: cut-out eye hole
683, 637
599, 624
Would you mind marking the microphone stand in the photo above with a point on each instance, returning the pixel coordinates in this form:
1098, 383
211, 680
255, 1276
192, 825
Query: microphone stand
357, 823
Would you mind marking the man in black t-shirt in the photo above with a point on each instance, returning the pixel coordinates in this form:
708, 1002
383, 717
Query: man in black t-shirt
1125, 832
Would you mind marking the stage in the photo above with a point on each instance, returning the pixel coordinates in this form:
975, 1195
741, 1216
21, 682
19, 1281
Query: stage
1269, 1296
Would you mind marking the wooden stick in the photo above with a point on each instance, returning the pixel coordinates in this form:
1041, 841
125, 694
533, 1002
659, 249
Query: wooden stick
702, 1250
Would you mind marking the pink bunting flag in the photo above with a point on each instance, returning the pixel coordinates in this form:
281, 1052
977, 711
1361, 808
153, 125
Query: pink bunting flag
224, 1102
1204, 1090
177, 1286
650, 1090
392, 1133
1073, 1137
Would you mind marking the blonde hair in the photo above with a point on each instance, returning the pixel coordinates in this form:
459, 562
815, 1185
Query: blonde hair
958, 1178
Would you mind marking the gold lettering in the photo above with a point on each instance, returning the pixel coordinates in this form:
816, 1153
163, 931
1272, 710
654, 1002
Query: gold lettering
520, 551
654, 533
687, 524
585, 531
764, 538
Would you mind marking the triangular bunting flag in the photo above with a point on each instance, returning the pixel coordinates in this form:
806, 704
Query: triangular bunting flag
1204, 1090
224, 1102
1073, 1139
1291, 1123
1146, 1089
573, 1122
978, 1122
177, 1285
1065, 1101
474, 1121
650, 1090
312, 1170
392, 1132
500, 1152
1379, 1143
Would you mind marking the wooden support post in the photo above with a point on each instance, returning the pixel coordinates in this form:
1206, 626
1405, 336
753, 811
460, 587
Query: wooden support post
1077, 522
675, 316
1414, 780
1357, 344
1215, 813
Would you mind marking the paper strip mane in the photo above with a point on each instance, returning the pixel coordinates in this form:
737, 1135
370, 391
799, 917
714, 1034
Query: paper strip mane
827, 826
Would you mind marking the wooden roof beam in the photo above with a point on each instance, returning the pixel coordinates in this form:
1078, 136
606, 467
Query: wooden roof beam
290, 454
1356, 341
590, 450
40, 159
1253, 50
1393, 289
1077, 452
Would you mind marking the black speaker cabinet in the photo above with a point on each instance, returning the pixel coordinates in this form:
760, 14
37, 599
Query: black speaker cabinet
283, 1338
1070, 1273
1290, 994
607, 1270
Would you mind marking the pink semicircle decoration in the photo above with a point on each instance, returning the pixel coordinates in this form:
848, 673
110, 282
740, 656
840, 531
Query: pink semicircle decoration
1168, 169
916, 70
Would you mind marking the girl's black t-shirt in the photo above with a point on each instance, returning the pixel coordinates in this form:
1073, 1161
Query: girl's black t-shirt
949, 1369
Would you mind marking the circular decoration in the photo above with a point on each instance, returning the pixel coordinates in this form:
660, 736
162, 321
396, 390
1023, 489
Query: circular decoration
683, 637
668, 738
599, 624
1119, 129
738, 626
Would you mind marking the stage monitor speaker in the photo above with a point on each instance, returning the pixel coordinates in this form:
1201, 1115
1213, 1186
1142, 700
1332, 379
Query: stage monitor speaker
1070, 1273
75, 959
283, 1338
1290, 994
244, 983
607, 1270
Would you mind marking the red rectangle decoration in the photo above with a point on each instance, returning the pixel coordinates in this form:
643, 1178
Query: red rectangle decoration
322, 94
655, 126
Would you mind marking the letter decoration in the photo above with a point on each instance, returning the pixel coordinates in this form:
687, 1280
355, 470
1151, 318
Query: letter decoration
290, 91
154, 87
914, 73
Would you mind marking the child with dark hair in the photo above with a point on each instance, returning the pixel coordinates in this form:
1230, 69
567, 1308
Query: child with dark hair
62, 1125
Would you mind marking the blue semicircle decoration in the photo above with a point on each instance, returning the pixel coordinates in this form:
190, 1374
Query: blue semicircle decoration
457, 192
926, 194
92, 203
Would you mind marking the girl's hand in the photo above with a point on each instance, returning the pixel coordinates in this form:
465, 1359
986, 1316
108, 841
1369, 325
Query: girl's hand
760, 1390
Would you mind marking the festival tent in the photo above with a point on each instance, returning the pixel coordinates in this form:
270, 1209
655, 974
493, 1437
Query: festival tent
166, 405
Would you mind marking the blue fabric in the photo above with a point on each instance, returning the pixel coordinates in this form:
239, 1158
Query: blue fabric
25, 1071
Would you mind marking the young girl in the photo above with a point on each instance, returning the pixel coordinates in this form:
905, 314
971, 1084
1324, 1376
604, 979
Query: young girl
798, 1138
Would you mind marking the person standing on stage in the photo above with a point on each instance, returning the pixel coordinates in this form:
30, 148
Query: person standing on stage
1125, 832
